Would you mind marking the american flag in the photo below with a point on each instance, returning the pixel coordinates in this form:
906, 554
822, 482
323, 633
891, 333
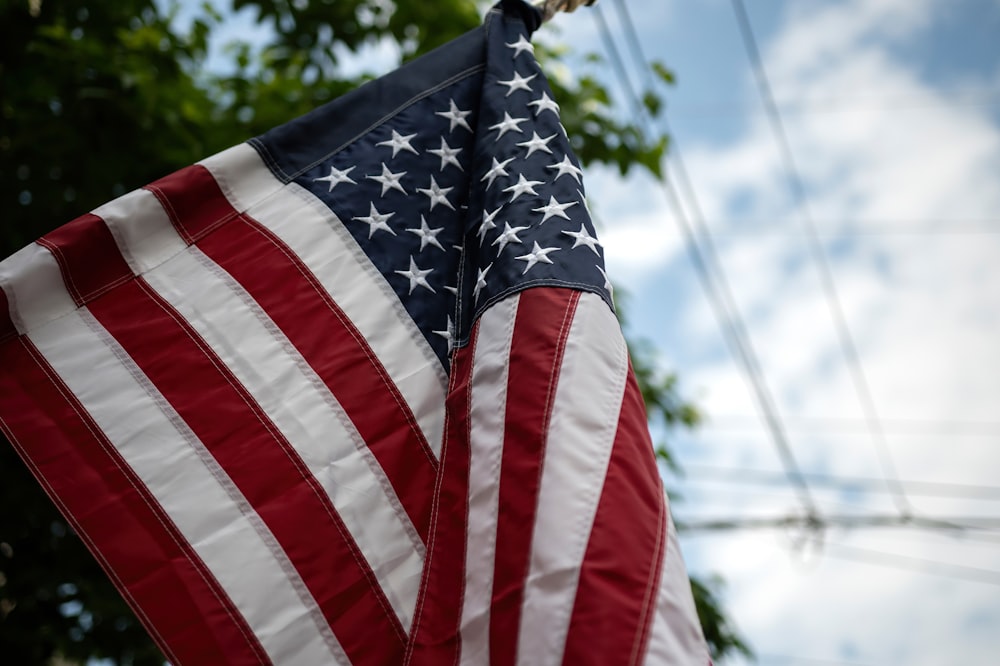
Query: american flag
354, 392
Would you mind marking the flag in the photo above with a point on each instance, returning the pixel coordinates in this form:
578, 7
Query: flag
354, 392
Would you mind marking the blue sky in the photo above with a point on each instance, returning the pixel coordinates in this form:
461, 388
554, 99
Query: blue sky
892, 110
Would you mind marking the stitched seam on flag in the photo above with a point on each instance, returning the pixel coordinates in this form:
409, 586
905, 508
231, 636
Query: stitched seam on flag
229, 193
538, 282
354, 333
323, 390
333, 221
188, 237
648, 599
495, 468
150, 501
225, 482
585, 520
56, 381
284, 177
457, 629
79, 297
435, 504
98, 555
560, 349
12, 307
290, 452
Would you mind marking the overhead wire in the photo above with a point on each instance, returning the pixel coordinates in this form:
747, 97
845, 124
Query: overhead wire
758, 477
712, 277
844, 336
909, 563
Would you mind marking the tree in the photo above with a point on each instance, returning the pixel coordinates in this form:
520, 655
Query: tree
98, 98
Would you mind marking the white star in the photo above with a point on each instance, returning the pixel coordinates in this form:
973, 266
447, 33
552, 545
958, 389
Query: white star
447, 155
399, 142
583, 237
537, 143
337, 177
480, 282
517, 83
521, 45
389, 180
427, 235
455, 116
566, 167
607, 282
487, 224
417, 276
544, 103
437, 194
522, 186
507, 236
537, 254
375, 221
508, 124
448, 333
496, 170
453, 290
554, 209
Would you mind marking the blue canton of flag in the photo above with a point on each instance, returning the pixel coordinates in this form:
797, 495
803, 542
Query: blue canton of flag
469, 194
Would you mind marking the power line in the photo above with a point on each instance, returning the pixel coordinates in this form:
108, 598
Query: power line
841, 425
704, 473
906, 562
619, 65
819, 256
848, 521
710, 273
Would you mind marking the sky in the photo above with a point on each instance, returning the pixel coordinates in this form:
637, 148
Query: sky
891, 109
892, 113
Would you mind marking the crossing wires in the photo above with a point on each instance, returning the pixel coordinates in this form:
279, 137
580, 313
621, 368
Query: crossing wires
705, 261
846, 340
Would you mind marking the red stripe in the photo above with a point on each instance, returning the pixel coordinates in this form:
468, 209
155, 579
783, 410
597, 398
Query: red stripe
261, 463
193, 201
619, 578
170, 589
295, 300
88, 256
435, 631
540, 331
7, 329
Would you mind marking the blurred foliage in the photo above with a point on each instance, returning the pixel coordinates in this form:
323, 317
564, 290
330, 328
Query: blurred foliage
719, 632
98, 97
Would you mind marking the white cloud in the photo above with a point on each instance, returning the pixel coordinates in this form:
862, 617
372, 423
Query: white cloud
896, 195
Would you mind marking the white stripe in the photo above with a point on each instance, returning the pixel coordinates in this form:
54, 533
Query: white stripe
487, 409
190, 486
675, 637
322, 242
581, 436
307, 414
142, 230
34, 287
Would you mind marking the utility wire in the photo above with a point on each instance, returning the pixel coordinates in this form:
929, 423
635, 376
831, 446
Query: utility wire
920, 565
709, 271
841, 425
707, 473
819, 256
845, 521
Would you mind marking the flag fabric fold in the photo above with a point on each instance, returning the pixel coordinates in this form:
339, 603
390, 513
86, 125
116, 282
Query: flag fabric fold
354, 392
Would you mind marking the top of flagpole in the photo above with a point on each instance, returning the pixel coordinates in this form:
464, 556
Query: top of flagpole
549, 8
